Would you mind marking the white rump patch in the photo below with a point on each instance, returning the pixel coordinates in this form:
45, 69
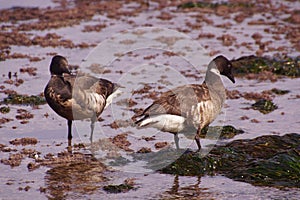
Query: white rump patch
112, 96
165, 122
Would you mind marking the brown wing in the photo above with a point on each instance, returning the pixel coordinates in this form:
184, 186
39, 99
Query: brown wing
179, 101
60, 89
58, 92
91, 84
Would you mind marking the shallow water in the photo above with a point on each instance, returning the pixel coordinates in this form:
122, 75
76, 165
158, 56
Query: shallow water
137, 56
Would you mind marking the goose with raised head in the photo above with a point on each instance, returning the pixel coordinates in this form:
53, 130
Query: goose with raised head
193, 105
77, 97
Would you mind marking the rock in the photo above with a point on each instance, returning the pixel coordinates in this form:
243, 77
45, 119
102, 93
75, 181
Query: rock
267, 160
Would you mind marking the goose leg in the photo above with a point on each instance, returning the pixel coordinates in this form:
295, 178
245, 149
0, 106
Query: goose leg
176, 139
70, 129
93, 120
69, 133
197, 138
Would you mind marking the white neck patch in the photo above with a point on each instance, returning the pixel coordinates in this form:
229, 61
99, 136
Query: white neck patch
215, 71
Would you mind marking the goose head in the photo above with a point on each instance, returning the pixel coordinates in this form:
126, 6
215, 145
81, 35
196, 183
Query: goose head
224, 66
59, 65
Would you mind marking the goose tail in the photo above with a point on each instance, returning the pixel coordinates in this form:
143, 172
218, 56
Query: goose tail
116, 92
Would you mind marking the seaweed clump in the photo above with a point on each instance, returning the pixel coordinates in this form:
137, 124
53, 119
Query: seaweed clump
264, 106
253, 64
24, 141
4, 109
226, 132
267, 160
124, 187
202, 4
279, 91
20, 99
118, 188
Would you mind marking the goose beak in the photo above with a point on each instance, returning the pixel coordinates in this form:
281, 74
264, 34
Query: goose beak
230, 76
117, 85
67, 70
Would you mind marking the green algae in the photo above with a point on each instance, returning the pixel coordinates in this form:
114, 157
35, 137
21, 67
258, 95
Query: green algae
279, 91
267, 161
202, 4
118, 188
198, 5
191, 165
253, 64
264, 106
282, 170
249, 64
226, 132
166, 156
21, 99
4, 109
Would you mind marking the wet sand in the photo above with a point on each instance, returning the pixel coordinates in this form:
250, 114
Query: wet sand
33, 140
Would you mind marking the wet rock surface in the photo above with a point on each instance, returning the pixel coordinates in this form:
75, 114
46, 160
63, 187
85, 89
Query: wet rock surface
267, 160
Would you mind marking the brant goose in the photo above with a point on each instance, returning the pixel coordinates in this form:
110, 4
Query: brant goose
191, 105
76, 97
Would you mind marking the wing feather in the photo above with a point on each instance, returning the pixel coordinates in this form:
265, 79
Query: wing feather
179, 101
